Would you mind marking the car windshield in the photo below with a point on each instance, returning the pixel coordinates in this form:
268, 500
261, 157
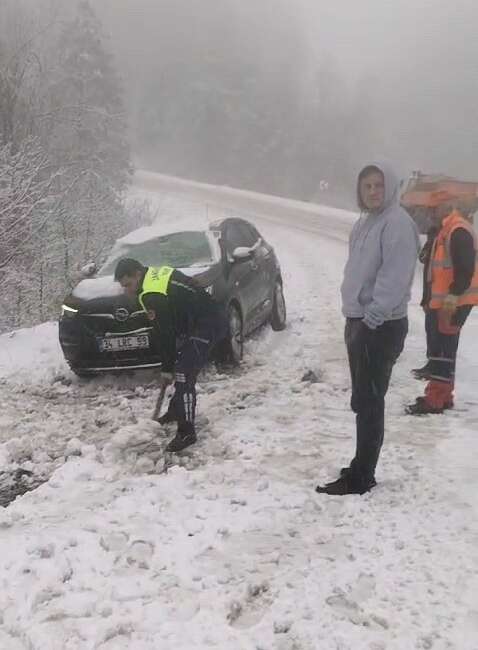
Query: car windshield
179, 250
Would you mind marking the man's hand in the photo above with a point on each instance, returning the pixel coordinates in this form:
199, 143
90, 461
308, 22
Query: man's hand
366, 332
359, 334
450, 303
166, 378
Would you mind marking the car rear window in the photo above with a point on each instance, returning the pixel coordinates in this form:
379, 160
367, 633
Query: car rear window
179, 250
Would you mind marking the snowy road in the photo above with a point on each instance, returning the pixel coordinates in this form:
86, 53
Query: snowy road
231, 548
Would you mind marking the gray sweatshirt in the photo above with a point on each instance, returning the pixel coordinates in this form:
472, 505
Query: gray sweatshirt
383, 251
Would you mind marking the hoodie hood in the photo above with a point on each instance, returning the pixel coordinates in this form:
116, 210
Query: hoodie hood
392, 185
383, 252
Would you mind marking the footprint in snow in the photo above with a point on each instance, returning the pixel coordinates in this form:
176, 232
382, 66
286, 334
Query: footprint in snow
140, 553
248, 611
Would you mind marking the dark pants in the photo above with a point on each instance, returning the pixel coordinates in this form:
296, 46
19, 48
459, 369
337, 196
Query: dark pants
192, 356
443, 336
429, 331
371, 359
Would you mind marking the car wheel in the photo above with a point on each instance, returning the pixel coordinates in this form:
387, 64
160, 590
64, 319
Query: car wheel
233, 347
279, 312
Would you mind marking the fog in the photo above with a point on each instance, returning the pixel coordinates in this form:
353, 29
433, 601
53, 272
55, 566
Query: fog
278, 95
400, 77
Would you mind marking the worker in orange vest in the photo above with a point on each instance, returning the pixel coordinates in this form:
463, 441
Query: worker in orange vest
450, 292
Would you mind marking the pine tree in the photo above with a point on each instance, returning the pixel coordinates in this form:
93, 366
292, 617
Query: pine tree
64, 157
88, 99
87, 135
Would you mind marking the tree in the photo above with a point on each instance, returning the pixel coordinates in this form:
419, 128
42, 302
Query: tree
90, 130
64, 158
27, 201
87, 137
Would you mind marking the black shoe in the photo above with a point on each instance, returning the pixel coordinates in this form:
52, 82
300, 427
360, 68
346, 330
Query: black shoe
421, 407
421, 373
182, 440
346, 485
346, 470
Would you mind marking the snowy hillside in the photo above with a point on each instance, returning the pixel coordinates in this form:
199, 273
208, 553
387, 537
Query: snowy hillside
230, 547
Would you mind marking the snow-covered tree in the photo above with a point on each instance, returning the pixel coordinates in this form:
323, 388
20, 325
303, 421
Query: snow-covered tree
27, 209
64, 157
87, 137
87, 115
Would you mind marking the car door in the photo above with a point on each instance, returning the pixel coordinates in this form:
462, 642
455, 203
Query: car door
265, 272
242, 273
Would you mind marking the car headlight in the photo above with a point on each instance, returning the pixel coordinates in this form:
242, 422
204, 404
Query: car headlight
68, 312
209, 289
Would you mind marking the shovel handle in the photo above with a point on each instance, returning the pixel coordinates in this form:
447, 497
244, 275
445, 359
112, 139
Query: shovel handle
159, 402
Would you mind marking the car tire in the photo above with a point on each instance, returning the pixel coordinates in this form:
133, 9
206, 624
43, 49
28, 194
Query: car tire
279, 311
232, 348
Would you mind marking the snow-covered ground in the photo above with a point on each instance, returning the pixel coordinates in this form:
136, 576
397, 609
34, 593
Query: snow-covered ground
231, 548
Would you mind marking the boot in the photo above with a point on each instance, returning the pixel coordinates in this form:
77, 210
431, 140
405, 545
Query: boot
347, 484
422, 407
439, 394
347, 470
422, 373
185, 436
438, 397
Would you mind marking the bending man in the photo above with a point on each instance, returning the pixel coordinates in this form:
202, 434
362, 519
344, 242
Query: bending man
179, 309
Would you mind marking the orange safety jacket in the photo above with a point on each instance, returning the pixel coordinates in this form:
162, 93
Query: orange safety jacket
440, 270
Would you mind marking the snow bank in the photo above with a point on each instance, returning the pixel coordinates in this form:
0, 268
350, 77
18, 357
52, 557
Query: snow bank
31, 355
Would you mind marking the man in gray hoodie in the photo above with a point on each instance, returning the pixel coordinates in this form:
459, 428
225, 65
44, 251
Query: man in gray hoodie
378, 275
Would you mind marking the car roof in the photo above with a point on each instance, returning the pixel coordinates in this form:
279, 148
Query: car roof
156, 230
222, 223
148, 233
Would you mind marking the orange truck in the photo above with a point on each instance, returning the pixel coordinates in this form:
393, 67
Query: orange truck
426, 191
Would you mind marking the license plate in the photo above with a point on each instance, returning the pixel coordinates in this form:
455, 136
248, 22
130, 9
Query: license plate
119, 343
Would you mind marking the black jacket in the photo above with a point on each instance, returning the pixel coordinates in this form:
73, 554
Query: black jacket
178, 314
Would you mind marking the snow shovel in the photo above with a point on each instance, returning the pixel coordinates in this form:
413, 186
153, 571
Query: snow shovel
159, 402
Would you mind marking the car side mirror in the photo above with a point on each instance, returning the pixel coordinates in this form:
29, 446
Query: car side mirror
242, 254
88, 270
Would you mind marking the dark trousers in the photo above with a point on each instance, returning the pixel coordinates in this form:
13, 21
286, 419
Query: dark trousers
443, 336
371, 358
192, 356
429, 331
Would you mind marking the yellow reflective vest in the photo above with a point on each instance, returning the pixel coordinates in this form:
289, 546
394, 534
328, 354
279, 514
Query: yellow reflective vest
156, 280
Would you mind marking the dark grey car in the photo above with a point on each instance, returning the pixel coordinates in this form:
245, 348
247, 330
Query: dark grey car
101, 329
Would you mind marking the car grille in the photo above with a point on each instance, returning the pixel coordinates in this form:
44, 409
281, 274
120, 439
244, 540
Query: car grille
79, 340
100, 324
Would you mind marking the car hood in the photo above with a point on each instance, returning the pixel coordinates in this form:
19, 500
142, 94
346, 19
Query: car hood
105, 289
94, 288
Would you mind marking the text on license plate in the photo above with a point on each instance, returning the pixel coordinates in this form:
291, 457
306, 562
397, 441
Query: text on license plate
118, 343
